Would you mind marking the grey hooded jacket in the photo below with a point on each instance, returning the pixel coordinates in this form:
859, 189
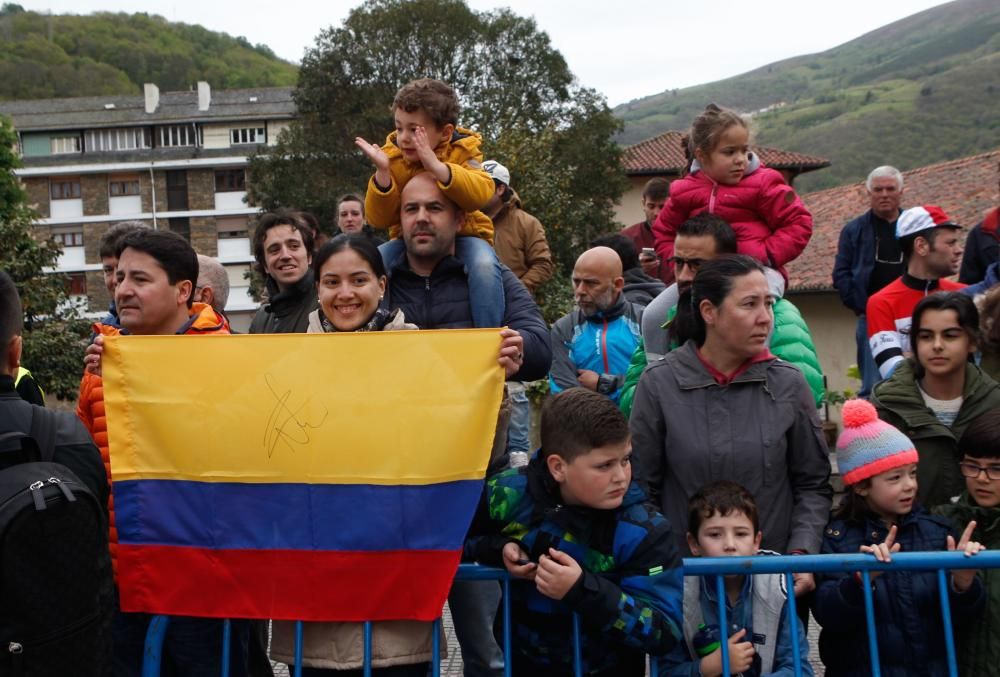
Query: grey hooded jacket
761, 430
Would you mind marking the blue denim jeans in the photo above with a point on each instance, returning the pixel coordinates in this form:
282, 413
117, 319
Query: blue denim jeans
474, 607
519, 431
866, 363
191, 648
486, 295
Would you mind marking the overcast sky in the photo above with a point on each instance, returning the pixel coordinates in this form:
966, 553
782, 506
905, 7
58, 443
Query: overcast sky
624, 48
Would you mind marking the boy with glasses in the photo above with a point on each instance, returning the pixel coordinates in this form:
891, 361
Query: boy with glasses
979, 642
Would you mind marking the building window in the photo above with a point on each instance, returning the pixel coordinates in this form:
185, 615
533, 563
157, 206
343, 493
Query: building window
117, 139
120, 187
69, 238
66, 189
178, 135
76, 284
181, 226
247, 135
230, 180
65, 144
231, 227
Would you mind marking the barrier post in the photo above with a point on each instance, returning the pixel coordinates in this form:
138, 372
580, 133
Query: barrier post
949, 637
367, 664
436, 648
153, 650
720, 593
227, 638
793, 619
507, 646
577, 653
298, 648
866, 587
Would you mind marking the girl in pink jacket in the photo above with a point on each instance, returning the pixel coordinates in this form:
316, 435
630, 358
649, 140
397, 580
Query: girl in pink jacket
771, 223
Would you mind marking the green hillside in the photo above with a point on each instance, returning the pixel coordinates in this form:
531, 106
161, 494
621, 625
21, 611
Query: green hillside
921, 90
43, 56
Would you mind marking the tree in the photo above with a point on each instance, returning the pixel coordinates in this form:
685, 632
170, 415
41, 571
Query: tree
516, 91
53, 332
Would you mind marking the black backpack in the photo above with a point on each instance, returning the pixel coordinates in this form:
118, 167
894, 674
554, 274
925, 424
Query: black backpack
56, 588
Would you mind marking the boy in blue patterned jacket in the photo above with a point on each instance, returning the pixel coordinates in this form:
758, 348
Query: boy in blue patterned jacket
580, 537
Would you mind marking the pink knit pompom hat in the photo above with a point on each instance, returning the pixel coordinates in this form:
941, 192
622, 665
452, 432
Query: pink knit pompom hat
869, 446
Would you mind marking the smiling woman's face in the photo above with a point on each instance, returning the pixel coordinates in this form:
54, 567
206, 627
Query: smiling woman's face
349, 290
742, 323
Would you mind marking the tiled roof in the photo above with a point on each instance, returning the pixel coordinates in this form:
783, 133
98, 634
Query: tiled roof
964, 188
112, 111
664, 154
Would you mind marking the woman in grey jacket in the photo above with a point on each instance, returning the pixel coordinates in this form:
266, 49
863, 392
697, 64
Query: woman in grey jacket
723, 407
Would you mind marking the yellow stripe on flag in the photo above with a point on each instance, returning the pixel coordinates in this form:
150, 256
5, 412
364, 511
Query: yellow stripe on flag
402, 407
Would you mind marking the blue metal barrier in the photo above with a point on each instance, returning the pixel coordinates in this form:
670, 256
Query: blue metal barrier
787, 565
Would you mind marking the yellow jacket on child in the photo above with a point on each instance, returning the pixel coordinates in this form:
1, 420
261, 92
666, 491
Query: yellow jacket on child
470, 187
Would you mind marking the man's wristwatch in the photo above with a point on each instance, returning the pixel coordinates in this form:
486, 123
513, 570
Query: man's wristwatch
606, 384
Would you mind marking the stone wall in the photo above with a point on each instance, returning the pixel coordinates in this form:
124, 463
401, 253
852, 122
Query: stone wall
37, 189
97, 293
92, 233
94, 191
204, 235
201, 190
146, 191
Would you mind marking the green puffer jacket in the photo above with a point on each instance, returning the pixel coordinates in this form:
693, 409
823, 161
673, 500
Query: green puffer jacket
898, 402
979, 644
790, 341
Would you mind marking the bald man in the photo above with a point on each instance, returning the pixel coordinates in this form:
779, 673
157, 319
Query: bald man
592, 345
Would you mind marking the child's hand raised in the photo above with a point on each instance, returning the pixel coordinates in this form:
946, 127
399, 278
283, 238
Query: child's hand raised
515, 560
741, 654
557, 573
374, 153
883, 551
962, 579
428, 158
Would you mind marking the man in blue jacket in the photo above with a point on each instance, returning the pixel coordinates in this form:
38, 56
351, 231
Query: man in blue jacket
592, 345
431, 287
868, 258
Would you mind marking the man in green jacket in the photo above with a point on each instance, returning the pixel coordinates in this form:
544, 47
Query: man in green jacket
979, 642
701, 238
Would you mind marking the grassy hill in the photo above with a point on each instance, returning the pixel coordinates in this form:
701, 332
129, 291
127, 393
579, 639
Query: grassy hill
43, 56
921, 90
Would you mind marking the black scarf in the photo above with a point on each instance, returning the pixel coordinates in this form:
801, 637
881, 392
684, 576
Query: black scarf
377, 322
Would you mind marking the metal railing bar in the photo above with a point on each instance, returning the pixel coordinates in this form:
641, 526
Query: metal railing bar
949, 638
866, 587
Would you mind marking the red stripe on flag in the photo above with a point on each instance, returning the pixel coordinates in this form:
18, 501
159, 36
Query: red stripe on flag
285, 584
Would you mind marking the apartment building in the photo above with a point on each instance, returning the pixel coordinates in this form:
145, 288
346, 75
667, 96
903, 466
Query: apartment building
174, 160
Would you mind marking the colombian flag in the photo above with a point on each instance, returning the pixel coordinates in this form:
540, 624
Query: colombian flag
317, 477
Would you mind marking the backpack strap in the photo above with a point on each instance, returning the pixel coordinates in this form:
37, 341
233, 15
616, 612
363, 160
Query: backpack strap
43, 430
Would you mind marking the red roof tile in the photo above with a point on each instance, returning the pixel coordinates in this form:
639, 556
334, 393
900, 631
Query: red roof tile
664, 154
964, 188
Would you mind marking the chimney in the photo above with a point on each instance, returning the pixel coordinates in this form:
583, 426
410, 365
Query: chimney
204, 95
152, 93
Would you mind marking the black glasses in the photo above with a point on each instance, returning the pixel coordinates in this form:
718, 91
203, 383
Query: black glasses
972, 470
680, 262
